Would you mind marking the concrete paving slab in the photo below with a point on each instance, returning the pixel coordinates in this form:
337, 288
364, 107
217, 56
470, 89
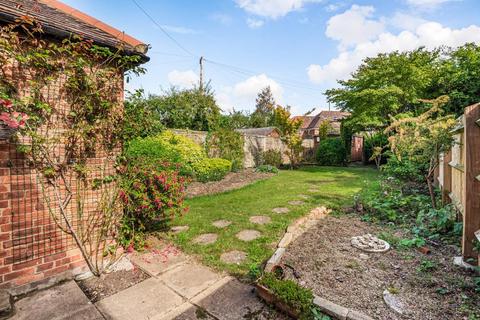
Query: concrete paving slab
235, 300
65, 301
193, 313
150, 299
155, 263
189, 279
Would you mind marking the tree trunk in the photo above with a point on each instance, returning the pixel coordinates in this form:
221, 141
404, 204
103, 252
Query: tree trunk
431, 190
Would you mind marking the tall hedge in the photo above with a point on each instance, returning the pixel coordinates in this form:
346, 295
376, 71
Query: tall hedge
331, 152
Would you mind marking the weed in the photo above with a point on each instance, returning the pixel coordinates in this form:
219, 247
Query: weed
427, 266
393, 290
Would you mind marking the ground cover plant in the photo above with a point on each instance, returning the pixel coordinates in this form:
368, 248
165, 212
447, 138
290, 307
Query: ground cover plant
332, 187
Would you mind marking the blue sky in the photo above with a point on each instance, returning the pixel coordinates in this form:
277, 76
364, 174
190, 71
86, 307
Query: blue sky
298, 47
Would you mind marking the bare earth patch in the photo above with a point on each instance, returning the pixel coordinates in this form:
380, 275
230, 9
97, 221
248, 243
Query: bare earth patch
98, 288
233, 180
325, 261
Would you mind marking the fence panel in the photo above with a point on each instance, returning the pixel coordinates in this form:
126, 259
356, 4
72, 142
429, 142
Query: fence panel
459, 177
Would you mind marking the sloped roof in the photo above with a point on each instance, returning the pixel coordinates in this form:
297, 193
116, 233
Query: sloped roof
61, 20
306, 120
331, 116
258, 131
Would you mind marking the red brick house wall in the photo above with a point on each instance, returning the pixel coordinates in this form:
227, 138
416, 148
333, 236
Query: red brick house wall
34, 252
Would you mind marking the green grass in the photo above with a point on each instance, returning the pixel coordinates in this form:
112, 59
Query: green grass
336, 187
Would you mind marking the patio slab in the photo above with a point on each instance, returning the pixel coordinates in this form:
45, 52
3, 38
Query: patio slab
189, 279
150, 299
158, 262
65, 301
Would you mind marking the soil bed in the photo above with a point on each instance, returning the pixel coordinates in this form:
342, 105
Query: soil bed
429, 286
233, 180
98, 288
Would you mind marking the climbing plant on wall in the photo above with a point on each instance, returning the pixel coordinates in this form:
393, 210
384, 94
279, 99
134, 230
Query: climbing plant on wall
64, 102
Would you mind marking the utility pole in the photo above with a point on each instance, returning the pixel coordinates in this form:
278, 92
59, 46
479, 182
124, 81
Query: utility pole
201, 73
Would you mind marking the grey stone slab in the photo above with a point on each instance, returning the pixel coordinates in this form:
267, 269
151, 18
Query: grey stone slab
158, 262
194, 313
234, 300
189, 279
65, 301
6, 307
147, 300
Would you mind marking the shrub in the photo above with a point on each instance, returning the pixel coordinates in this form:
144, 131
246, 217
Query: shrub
151, 196
168, 147
212, 169
267, 169
226, 144
404, 170
331, 152
272, 158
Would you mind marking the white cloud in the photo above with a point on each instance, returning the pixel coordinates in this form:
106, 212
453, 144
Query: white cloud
183, 79
406, 21
332, 7
272, 8
429, 34
354, 26
180, 30
427, 3
254, 23
242, 95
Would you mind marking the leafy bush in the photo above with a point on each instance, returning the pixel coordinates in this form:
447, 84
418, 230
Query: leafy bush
226, 144
168, 147
267, 169
297, 297
404, 170
211, 169
331, 152
271, 158
151, 195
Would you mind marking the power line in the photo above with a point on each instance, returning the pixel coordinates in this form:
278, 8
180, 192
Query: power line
162, 29
245, 72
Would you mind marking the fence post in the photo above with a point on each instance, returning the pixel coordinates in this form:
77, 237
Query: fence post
471, 215
447, 177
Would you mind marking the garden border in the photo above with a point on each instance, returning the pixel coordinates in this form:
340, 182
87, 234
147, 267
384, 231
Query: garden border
295, 230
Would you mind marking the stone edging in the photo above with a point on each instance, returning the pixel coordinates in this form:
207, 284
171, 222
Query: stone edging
295, 230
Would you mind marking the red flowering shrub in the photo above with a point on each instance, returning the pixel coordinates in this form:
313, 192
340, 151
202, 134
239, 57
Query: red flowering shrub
153, 194
10, 117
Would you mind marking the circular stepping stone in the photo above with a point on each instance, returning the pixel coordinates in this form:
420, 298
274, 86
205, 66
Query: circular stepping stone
221, 223
260, 220
233, 257
281, 210
178, 229
296, 203
248, 235
206, 238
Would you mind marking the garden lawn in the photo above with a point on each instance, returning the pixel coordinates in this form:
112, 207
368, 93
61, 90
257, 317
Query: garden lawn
335, 188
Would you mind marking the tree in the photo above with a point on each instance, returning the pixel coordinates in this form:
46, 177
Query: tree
420, 140
289, 129
324, 129
235, 120
140, 119
264, 109
193, 109
386, 85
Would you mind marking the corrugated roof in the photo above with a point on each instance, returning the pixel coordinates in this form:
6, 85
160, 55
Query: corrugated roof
61, 20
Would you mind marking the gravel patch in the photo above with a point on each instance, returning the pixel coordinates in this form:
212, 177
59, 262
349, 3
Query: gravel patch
325, 261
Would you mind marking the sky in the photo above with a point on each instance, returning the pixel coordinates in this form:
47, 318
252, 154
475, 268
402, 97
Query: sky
299, 48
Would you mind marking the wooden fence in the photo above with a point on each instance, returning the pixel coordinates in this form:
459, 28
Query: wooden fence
459, 177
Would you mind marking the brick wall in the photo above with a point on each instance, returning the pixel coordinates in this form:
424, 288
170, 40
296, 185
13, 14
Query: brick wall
34, 252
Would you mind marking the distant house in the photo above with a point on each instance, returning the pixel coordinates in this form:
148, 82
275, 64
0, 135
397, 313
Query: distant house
310, 128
